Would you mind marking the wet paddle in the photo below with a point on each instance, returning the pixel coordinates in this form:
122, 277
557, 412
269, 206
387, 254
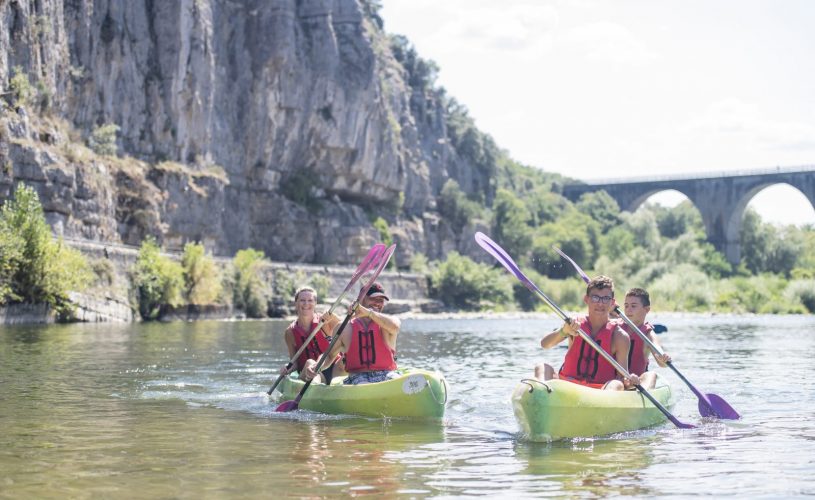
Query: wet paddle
366, 265
382, 261
501, 256
709, 404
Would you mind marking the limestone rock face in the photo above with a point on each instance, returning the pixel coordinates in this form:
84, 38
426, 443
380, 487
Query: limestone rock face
281, 125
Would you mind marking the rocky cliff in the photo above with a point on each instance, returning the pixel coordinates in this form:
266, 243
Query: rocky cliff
281, 125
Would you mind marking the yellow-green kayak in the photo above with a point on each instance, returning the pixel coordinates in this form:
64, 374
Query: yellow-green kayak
558, 409
414, 394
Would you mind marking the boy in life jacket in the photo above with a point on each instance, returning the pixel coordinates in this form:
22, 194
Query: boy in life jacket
583, 365
636, 306
369, 341
305, 300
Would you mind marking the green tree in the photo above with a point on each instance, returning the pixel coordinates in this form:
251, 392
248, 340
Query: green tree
601, 207
766, 248
454, 206
11, 255
617, 243
159, 280
511, 223
202, 283
673, 222
249, 291
35, 268
643, 226
460, 282
575, 233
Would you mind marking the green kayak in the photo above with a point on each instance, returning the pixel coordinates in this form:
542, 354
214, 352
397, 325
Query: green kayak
559, 409
414, 393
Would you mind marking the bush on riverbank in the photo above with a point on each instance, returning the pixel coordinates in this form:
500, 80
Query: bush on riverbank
35, 268
202, 282
249, 293
462, 283
158, 280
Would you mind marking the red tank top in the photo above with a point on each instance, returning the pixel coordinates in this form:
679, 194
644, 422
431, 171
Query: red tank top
368, 350
637, 357
583, 363
317, 346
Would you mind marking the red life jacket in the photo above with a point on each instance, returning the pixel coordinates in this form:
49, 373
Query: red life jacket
583, 363
637, 356
315, 348
368, 350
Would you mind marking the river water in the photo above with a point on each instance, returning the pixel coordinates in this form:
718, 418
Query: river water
180, 411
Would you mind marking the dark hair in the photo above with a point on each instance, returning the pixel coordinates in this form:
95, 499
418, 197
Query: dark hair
641, 293
600, 283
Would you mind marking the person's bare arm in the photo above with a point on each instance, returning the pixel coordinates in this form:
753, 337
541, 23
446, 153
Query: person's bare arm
389, 324
331, 321
567, 331
288, 336
620, 345
662, 360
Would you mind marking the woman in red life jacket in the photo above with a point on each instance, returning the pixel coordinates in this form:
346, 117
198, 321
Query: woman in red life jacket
636, 306
369, 340
305, 300
583, 365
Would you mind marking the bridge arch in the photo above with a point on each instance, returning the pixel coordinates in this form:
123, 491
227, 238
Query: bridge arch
720, 198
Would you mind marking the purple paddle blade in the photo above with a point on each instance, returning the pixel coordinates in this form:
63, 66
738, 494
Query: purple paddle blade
500, 255
715, 406
286, 406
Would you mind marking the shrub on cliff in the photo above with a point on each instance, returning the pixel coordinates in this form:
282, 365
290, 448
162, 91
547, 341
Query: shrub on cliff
103, 139
202, 284
249, 292
158, 280
34, 268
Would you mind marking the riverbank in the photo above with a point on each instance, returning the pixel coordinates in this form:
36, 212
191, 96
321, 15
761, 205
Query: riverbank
112, 300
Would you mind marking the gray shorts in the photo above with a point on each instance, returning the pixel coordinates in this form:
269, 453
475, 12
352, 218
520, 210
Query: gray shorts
370, 377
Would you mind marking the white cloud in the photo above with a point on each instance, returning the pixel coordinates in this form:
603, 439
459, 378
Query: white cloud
610, 42
518, 30
733, 118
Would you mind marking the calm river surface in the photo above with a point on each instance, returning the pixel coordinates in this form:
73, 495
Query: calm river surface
180, 411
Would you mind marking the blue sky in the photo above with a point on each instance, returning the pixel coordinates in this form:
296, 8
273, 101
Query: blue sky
596, 89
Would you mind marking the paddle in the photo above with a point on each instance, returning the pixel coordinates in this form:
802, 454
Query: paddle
382, 261
709, 404
367, 263
496, 251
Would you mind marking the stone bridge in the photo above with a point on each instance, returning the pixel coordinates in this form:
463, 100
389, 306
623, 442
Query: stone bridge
721, 197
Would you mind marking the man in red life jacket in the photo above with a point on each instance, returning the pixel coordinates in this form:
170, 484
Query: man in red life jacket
369, 341
636, 306
305, 300
583, 365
